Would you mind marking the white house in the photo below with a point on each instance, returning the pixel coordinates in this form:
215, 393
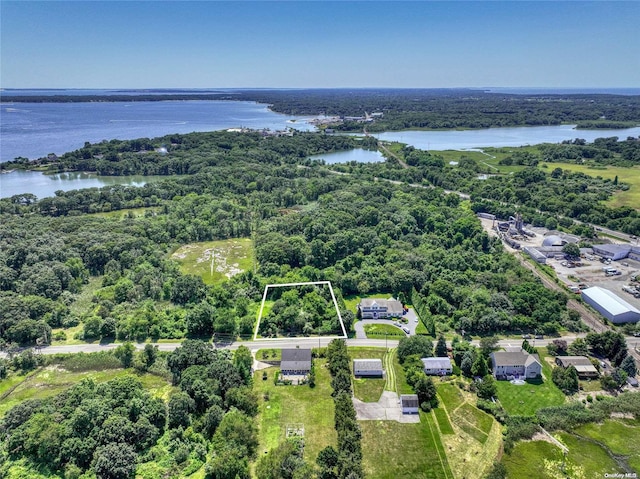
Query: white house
375, 308
517, 364
437, 366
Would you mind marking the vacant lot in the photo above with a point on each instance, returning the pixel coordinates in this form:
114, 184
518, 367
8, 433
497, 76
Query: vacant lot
412, 451
52, 380
215, 261
288, 405
620, 436
471, 437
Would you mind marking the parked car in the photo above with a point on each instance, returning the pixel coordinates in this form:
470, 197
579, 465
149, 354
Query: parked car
539, 336
526, 336
406, 330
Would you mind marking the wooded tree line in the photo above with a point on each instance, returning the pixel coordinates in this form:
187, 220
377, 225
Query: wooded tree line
419, 108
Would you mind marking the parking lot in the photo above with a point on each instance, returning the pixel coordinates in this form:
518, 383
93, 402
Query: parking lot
591, 273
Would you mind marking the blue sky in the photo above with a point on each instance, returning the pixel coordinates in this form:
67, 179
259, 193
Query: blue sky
158, 44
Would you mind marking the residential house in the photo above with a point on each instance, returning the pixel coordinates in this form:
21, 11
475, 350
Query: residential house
375, 308
368, 368
507, 365
437, 366
583, 365
295, 362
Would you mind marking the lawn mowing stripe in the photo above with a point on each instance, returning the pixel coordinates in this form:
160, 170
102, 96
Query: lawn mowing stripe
439, 448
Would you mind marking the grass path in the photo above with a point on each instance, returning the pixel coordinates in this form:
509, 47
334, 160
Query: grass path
390, 385
442, 456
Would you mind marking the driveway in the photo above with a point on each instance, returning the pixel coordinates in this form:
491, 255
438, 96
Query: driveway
411, 325
386, 409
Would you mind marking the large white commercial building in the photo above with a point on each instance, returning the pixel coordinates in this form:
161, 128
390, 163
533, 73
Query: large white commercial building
611, 306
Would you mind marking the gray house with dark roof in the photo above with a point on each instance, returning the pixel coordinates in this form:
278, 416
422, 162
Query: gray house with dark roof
295, 362
437, 366
368, 368
376, 308
515, 364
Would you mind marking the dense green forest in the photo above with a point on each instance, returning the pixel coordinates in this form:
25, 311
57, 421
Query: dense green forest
307, 224
416, 108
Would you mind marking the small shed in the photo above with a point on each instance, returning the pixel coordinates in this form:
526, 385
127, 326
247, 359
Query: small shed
437, 366
409, 403
368, 368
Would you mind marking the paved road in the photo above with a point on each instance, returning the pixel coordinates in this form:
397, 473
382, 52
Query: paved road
302, 342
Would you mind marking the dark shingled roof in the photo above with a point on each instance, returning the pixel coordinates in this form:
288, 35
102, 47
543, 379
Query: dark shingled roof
409, 400
296, 360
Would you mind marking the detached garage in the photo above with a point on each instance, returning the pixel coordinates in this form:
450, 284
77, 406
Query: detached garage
611, 306
409, 403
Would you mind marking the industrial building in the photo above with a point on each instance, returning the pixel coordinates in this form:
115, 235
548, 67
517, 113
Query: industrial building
635, 253
613, 251
538, 256
612, 307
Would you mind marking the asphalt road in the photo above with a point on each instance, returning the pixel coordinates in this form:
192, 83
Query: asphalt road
632, 343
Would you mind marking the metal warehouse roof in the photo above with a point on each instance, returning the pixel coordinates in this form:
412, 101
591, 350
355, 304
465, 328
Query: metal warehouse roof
609, 301
612, 248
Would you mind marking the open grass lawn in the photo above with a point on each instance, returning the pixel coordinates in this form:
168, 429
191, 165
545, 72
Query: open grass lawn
313, 408
444, 424
368, 389
525, 400
474, 422
52, 380
377, 331
216, 261
450, 395
630, 176
412, 451
622, 437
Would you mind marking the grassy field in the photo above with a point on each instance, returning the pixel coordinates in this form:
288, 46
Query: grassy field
368, 389
413, 451
216, 261
52, 380
313, 408
471, 437
127, 213
584, 460
621, 436
630, 176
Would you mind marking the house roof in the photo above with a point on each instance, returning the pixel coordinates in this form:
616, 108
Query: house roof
392, 304
295, 360
567, 361
436, 363
519, 358
367, 364
409, 400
